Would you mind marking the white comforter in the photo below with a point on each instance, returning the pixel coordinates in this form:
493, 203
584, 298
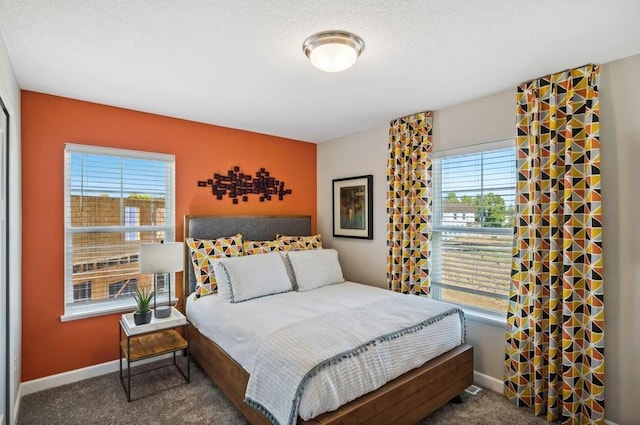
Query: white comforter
241, 328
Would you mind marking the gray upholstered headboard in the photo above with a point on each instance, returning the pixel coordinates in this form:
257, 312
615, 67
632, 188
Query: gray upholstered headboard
255, 228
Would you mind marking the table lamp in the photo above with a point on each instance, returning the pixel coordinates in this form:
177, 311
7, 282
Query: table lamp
163, 257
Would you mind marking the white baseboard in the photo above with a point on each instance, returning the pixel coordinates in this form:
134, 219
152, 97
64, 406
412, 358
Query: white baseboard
16, 406
64, 378
606, 422
488, 382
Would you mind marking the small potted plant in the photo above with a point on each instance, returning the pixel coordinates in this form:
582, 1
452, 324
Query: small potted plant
143, 298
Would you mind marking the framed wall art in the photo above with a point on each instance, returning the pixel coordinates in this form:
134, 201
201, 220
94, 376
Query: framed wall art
353, 207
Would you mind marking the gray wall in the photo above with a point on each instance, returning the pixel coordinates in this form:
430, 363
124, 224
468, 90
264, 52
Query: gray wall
363, 153
492, 118
10, 94
620, 151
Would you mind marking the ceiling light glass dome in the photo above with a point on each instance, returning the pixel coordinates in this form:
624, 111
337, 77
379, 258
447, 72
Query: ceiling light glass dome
333, 51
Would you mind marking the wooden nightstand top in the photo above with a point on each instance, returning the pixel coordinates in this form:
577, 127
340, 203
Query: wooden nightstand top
130, 328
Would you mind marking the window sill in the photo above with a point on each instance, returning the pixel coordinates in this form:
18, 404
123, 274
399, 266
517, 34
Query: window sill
482, 317
86, 312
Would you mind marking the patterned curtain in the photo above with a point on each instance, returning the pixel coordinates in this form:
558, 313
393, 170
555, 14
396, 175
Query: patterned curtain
409, 203
555, 335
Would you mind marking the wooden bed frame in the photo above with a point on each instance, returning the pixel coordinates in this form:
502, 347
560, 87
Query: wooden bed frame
405, 400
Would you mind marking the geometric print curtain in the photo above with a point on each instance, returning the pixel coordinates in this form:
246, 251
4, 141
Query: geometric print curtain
409, 175
554, 356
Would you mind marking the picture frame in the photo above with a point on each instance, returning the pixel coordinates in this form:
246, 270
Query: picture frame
353, 207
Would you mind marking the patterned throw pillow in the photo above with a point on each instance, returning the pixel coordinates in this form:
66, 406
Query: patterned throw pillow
259, 247
204, 253
299, 243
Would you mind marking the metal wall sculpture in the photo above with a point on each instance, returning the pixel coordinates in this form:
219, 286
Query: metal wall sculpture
238, 185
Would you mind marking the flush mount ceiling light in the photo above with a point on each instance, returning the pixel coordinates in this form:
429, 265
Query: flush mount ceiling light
333, 51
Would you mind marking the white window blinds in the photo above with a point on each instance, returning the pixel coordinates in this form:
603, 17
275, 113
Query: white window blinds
114, 200
474, 198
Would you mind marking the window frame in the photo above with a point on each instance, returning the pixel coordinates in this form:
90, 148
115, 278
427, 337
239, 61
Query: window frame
84, 309
488, 315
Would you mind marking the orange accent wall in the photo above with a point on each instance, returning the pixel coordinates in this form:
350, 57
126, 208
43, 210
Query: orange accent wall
50, 346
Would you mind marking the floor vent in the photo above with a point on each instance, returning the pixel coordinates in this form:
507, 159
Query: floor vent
473, 390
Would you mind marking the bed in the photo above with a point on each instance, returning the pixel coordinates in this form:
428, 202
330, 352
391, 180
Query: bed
405, 399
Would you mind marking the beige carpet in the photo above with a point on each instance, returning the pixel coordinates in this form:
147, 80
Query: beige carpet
162, 397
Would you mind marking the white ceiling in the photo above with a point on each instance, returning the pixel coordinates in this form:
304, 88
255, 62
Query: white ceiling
239, 63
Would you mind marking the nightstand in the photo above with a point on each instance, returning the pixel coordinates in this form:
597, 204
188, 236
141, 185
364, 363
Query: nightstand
161, 336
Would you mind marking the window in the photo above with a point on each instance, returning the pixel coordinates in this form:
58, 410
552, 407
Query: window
82, 291
132, 218
122, 288
113, 201
161, 284
471, 257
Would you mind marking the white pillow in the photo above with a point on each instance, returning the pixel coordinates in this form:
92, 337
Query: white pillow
315, 268
287, 266
252, 276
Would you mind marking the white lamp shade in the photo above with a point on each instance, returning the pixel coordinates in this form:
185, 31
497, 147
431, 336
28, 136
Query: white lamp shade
333, 57
161, 257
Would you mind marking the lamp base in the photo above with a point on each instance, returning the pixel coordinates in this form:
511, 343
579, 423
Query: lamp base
162, 312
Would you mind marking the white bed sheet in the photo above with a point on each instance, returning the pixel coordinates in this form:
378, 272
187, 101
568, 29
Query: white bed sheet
240, 328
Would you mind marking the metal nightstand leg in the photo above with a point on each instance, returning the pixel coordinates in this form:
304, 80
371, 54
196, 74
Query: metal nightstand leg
128, 368
127, 388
